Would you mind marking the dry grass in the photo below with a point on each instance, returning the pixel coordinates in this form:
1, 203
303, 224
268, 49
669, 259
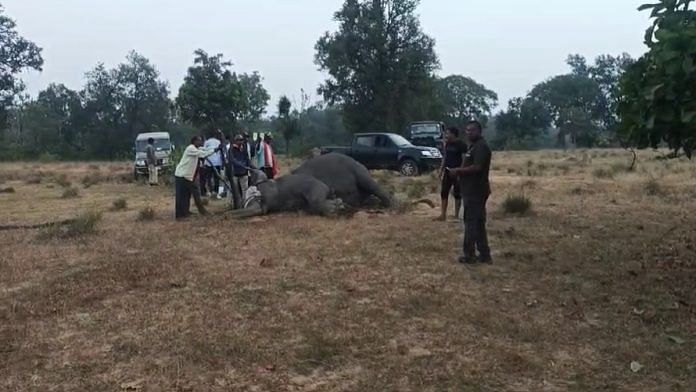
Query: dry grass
146, 214
580, 289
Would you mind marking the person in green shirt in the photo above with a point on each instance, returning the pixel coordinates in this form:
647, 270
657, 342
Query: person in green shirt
475, 189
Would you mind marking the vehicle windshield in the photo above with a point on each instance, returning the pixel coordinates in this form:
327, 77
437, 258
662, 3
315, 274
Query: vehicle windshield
160, 145
400, 141
428, 130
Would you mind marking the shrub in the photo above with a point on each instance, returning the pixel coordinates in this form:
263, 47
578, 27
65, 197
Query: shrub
603, 172
146, 214
91, 179
34, 180
653, 188
7, 190
517, 204
119, 204
62, 181
84, 224
47, 157
70, 193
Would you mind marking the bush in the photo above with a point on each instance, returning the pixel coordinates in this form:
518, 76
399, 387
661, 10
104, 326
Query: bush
34, 180
70, 193
62, 181
653, 188
517, 204
84, 224
119, 205
146, 214
7, 190
603, 172
47, 157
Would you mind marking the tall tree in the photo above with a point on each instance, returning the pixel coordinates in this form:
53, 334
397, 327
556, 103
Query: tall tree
254, 96
380, 64
143, 97
522, 123
464, 99
567, 95
16, 54
606, 72
288, 123
213, 97
658, 93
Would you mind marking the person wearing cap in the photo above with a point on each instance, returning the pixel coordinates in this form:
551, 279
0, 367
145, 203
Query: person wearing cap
238, 167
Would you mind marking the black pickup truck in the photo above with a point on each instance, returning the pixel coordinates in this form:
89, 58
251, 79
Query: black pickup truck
389, 151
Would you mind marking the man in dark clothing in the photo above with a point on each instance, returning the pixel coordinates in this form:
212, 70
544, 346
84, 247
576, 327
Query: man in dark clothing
238, 167
476, 188
454, 150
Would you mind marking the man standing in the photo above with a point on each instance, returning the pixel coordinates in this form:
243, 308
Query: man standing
186, 174
151, 153
266, 158
238, 166
249, 146
476, 188
213, 165
454, 150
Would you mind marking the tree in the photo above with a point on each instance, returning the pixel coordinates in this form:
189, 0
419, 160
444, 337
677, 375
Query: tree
522, 123
463, 99
657, 101
255, 97
380, 64
606, 72
564, 97
143, 98
16, 55
212, 96
288, 123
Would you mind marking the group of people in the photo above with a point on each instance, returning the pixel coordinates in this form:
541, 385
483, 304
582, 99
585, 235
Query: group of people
465, 173
204, 165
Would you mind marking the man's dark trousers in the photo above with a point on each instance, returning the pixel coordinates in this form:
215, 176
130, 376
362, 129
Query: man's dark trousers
184, 190
475, 235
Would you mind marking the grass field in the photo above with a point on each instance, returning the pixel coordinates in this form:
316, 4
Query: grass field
593, 289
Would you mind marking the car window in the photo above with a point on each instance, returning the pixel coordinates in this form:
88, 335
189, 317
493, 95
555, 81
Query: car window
383, 142
365, 141
400, 141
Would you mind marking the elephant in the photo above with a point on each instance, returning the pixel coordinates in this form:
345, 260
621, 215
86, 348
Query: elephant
349, 180
325, 186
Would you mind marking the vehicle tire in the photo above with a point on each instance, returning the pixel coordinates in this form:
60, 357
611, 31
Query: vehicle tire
409, 168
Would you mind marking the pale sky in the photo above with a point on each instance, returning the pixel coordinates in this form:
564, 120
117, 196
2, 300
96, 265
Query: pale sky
508, 45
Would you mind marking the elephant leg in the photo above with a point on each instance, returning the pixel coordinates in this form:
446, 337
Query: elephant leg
369, 187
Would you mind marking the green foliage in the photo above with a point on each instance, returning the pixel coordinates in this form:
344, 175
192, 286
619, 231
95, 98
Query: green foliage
16, 55
657, 102
516, 204
463, 99
380, 64
85, 224
524, 121
213, 97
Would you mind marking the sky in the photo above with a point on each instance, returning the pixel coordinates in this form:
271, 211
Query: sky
508, 45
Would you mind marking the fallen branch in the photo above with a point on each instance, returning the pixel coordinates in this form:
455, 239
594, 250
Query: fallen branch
38, 226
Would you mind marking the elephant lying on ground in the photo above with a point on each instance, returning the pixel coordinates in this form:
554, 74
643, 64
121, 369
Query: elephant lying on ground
349, 180
321, 186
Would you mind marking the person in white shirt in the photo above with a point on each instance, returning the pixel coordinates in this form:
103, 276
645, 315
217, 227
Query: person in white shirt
186, 176
211, 182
